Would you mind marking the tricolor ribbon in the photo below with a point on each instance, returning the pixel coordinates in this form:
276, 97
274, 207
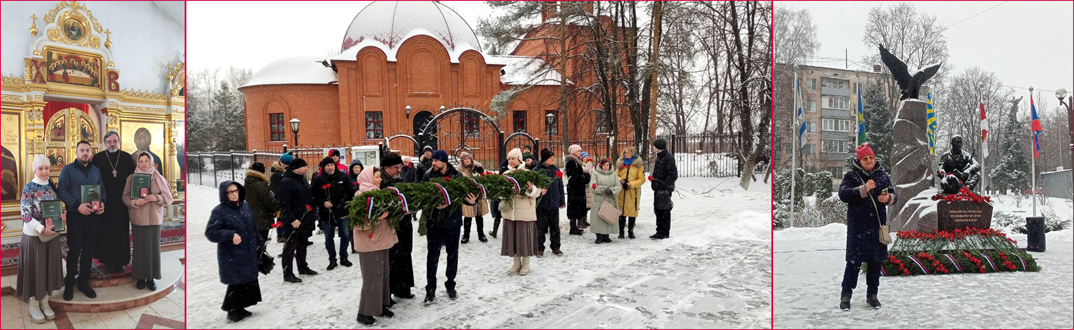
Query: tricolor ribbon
953, 262
402, 199
882, 273
1023, 263
369, 207
444, 193
989, 261
518, 188
919, 264
484, 194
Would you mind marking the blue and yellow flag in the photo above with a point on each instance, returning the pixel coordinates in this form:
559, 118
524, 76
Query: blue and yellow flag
861, 119
930, 120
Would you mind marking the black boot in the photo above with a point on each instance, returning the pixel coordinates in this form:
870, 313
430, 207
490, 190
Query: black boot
430, 296
151, 285
345, 262
237, 315
844, 302
366, 320
331, 265
307, 271
871, 299
481, 230
291, 278
69, 290
466, 230
631, 228
622, 226
495, 227
140, 284
600, 239
387, 313
87, 290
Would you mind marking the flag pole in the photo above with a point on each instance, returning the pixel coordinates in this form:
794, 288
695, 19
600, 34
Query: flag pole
794, 140
984, 154
1033, 146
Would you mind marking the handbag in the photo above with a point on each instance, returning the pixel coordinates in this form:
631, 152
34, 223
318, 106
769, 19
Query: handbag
885, 234
608, 212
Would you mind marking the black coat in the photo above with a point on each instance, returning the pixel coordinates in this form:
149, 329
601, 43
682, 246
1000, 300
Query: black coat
274, 182
577, 180
423, 167
554, 198
863, 216
448, 218
237, 263
295, 200
339, 193
409, 173
261, 199
665, 173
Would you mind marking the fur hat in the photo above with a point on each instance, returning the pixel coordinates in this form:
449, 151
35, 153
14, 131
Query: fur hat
546, 154
390, 159
258, 166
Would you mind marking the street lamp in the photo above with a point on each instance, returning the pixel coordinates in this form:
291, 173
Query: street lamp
408, 112
1062, 95
548, 126
442, 108
294, 129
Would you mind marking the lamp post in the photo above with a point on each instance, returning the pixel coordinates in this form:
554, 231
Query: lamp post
294, 129
1067, 100
548, 125
408, 108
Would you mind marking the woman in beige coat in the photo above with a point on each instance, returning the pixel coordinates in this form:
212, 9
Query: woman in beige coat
631, 177
469, 168
519, 216
147, 215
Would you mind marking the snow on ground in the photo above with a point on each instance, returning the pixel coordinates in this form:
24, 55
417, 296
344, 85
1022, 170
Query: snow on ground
714, 272
809, 265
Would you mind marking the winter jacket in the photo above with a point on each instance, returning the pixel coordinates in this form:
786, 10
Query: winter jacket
354, 174
865, 213
554, 198
340, 191
274, 182
149, 214
295, 203
382, 236
408, 173
481, 206
589, 188
577, 180
237, 264
608, 188
447, 218
664, 176
629, 198
424, 166
261, 199
521, 208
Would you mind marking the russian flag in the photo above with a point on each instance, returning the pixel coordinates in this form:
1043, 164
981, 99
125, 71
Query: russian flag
1035, 127
984, 132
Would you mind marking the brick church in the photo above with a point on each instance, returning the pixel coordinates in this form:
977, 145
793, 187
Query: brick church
401, 64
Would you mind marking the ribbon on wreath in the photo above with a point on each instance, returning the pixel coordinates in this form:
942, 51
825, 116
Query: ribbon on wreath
989, 261
919, 264
882, 273
369, 207
484, 194
444, 193
953, 262
402, 199
518, 188
1023, 263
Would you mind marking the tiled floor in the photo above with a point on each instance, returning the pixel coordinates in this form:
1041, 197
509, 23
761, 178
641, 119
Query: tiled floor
165, 313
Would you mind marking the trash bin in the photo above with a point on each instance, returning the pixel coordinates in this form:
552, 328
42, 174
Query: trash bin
1035, 227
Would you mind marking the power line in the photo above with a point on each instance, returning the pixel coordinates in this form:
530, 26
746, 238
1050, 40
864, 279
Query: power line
974, 15
960, 10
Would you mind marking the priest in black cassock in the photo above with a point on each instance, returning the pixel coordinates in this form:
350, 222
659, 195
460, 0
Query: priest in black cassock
113, 244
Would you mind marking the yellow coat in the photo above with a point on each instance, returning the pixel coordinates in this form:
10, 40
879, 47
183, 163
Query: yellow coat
628, 199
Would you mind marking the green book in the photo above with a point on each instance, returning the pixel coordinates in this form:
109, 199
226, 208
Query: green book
91, 194
140, 185
51, 212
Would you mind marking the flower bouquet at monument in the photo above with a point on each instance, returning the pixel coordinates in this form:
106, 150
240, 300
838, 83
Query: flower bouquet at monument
364, 210
964, 194
968, 250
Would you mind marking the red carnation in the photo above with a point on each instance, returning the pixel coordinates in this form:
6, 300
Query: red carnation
308, 208
559, 174
594, 186
650, 178
447, 178
326, 186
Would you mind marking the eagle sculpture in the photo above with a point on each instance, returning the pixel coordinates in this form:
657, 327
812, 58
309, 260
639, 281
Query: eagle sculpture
907, 83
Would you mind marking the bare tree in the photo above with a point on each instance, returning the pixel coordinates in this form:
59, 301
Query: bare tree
795, 38
915, 37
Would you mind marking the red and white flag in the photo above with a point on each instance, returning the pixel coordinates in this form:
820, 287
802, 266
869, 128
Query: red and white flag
984, 132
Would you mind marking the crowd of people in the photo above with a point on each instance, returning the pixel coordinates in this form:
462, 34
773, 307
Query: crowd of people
103, 232
596, 196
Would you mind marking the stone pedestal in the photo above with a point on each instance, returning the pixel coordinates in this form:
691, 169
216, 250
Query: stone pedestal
962, 214
911, 173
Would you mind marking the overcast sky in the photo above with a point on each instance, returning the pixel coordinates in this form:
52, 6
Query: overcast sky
252, 34
1024, 43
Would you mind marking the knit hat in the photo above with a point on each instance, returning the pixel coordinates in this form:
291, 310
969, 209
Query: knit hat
526, 156
390, 159
864, 150
584, 155
660, 144
326, 161
333, 152
297, 163
39, 160
287, 158
258, 166
440, 155
573, 149
546, 154
427, 148
516, 154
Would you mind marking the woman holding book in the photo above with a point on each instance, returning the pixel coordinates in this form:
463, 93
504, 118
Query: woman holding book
146, 208
40, 274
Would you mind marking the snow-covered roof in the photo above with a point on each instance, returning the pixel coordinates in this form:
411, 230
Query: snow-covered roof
294, 71
392, 22
524, 70
390, 52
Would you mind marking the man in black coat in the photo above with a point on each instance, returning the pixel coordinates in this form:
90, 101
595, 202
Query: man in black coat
443, 228
113, 242
278, 168
425, 163
552, 200
400, 261
331, 191
577, 180
298, 218
663, 181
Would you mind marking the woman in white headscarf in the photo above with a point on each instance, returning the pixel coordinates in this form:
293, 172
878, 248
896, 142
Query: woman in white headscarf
40, 265
147, 215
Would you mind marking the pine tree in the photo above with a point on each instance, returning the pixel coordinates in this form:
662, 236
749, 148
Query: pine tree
878, 123
229, 130
1012, 171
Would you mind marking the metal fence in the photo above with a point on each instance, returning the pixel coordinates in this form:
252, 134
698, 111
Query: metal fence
702, 155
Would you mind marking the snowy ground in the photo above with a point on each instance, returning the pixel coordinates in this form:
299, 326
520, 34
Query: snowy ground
809, 265
715, 272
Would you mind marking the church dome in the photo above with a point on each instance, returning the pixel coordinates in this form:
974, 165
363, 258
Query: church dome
391, 22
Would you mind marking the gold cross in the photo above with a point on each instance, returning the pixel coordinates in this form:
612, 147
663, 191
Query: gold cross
108, 32
34, 17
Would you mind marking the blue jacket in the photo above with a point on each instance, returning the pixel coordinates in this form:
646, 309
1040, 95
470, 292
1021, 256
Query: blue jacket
554, 198
72, 177
237, 263
864, 214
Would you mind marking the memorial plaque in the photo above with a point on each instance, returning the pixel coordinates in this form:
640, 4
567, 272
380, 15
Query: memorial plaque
963, 214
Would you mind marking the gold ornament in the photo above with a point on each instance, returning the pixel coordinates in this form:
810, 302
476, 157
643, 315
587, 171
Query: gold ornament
33, 28
108, 41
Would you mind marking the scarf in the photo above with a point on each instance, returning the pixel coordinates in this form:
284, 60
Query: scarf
365, 180
628, 161
162, 184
